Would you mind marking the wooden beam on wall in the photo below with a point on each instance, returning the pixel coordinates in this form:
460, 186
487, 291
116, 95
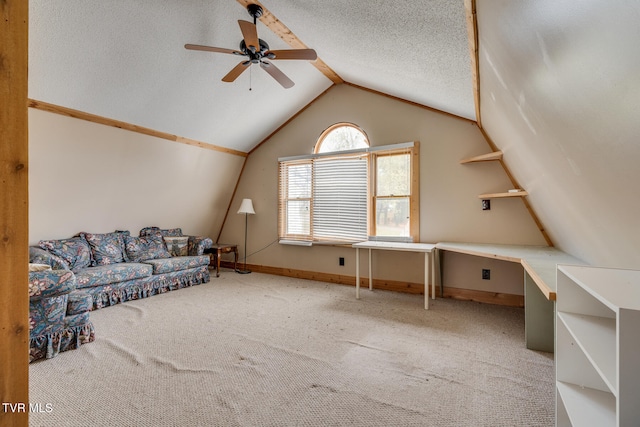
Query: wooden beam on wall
415, 104
472, 33
69, 112
14, 211
281, 30
515, 184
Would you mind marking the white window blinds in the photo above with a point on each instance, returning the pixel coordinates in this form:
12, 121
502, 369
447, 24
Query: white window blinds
340, 199
328, 198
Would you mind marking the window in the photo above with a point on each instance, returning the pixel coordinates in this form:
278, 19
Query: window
341, 137
392, 196
349, 195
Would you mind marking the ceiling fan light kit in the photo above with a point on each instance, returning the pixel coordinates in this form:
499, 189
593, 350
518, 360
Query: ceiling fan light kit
257, 51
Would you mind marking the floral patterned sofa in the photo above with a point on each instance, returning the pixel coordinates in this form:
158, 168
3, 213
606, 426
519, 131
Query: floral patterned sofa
56, 322
100, 270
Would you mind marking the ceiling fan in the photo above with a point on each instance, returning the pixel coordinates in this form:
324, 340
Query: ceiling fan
257, 51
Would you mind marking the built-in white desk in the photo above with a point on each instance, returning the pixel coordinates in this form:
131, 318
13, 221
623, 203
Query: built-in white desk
539, 263
427, 248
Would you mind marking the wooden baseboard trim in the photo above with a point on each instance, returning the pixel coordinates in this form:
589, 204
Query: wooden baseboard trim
495, 298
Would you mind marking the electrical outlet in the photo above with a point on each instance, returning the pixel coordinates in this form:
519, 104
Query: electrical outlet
341, 261
486, 274
486, 204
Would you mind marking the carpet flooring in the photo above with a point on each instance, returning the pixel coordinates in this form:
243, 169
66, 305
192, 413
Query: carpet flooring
262, 350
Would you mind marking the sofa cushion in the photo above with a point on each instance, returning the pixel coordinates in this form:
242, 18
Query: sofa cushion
106, 274
168, 265
146, 247
177, 246
75, 252
106, 249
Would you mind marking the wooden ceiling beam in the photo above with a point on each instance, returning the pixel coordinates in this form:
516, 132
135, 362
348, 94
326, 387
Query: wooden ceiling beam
282, 31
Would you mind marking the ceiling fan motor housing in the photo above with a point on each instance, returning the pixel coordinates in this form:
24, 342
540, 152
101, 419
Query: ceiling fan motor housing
255, 11
256, 56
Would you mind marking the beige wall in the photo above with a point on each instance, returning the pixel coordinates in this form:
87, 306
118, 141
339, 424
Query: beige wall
89, 177
449, 207
560, 91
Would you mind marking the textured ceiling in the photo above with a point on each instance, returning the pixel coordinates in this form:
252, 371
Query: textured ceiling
126, 60
416, 50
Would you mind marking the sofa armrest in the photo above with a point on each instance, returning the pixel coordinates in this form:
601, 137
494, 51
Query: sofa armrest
50, 283
40, 256
198, 244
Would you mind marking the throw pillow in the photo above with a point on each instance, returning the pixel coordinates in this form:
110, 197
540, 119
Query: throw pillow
75, 252
169, 232
106, 248
145, 247
39, 267
177, 246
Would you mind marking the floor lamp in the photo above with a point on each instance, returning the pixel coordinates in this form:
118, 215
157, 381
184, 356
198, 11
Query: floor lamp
246, 208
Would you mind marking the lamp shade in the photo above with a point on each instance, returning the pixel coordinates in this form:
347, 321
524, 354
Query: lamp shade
246, 207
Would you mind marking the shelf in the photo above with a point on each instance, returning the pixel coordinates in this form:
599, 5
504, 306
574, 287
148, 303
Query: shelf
615, 288
597, 346
597, 338
503, 195
586, 406
496, 155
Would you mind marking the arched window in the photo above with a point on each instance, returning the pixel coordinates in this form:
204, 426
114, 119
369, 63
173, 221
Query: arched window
341, 137
347, 191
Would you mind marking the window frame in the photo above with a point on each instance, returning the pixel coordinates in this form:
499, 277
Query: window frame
283, 202
327, 131
413, 196
372, 154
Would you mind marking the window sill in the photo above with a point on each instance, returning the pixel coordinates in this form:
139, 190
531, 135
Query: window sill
294, 242
306, 243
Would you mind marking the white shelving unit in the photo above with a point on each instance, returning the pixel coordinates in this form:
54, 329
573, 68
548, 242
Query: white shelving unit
597, 346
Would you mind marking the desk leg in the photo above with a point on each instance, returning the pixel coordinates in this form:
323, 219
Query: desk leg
438, 256
539, 318
426, 280
370, 275
433, 275
357, 273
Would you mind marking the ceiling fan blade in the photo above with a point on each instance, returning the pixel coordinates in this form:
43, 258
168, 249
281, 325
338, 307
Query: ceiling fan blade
236, 71
250, 34
212, 49
275, 72
308, 54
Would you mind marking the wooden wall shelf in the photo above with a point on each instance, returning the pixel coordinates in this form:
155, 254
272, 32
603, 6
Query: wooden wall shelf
521, 193
496, 155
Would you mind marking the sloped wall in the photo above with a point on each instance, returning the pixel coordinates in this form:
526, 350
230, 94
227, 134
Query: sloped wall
560, 95
89, 177
449, 206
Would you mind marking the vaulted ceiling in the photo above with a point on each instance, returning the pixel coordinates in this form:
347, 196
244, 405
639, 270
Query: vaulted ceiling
126, 60
558, 84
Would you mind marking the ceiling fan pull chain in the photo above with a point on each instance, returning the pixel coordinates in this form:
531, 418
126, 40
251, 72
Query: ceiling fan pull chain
250, 75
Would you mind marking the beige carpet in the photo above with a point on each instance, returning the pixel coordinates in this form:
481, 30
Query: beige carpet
261, 350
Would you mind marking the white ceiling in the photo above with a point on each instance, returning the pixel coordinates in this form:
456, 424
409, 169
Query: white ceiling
126, 60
